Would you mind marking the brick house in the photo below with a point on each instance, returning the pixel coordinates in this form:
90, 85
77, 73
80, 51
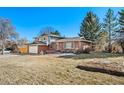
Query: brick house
72, 44
49, 43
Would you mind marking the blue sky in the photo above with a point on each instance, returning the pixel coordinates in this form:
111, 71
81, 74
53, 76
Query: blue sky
28, 21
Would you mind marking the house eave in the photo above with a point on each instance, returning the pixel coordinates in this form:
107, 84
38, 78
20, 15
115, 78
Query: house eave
72, 40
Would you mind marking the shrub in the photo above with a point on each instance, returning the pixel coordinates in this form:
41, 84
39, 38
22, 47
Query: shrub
86, 50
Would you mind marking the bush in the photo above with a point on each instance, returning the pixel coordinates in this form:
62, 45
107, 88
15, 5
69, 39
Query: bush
86, 50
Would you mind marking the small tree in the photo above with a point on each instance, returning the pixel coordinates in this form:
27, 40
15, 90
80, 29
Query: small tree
22, 41
6, 32
101, 41
110, 26
90, 27
49, 30
56, 32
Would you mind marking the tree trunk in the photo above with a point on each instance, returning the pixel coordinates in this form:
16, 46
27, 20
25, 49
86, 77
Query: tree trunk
3, 47
122, 49
109, 48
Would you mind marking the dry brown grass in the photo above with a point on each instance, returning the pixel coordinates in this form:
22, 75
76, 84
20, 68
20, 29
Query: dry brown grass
49, 69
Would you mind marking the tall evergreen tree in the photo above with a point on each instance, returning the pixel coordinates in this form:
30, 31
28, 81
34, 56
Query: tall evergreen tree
110, 26
121, 20
90, 27
121, 31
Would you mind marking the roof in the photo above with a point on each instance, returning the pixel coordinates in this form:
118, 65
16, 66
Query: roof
38, 43
52, 35
73, 39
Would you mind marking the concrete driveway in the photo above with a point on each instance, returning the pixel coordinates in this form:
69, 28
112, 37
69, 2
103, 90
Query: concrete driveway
7, 55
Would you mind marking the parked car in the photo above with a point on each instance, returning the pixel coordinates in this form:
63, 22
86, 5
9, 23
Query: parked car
6, 51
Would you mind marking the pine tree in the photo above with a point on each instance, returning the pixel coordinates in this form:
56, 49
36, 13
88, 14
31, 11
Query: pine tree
90, 27
110, 26
121, 20
121, 31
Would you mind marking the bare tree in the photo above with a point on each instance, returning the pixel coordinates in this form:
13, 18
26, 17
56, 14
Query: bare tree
6, 32
46, 30
22, 41
49, 30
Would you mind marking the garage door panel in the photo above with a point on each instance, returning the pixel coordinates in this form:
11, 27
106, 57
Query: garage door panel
33, 49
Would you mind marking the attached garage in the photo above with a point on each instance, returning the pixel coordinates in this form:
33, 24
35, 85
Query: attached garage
33, 49
42, 49
37, 48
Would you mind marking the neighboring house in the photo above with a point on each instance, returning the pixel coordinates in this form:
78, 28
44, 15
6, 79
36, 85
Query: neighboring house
72, 44
23, 49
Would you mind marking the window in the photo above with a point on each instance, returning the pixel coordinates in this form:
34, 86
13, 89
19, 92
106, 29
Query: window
68, 45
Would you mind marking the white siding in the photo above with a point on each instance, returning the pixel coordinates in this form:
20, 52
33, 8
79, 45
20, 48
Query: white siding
33, 49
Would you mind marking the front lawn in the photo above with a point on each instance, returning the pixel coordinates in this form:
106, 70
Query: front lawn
51, 70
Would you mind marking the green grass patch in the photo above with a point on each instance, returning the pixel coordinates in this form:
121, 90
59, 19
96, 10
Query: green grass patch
93, 55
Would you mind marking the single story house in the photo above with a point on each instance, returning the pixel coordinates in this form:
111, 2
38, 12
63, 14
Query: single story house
72, 44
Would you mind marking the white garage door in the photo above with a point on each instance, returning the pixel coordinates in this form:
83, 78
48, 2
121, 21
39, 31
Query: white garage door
33, 49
